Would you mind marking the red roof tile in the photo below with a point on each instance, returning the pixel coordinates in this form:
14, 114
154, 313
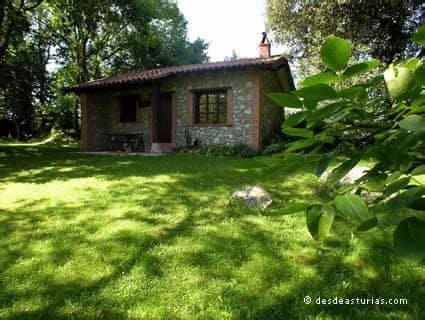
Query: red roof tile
160, 73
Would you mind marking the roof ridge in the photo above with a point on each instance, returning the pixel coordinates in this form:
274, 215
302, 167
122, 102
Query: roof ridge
162, 72
214, 62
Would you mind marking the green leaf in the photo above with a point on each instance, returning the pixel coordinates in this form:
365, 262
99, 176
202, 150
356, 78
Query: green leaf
310, 104
294, 119
398, 108
324, 162
391, 156
405, 164
360, 68
411, 64
404, 199
335, 53
298, 132
384, 134
418, 170
347, 188
352, 207
396, 186
419, 75
325, 222
374, 183
413, 123
298, 207
393, 177
312, 219
315, 93
324, 77
368, 224
341, 171
419, 36
373, 82
324, 113
356, 92
300, 144
418, 102
397, 79
324, 136
409, 237
418, 204
285, 100
319, 221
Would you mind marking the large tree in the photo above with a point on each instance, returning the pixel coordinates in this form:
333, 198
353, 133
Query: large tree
19, 65
99, 37
14, 23
83, 39
380, 29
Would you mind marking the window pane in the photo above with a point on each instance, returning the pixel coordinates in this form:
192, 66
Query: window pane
203, 108
222, 116
211, 107
222, 100
212, 98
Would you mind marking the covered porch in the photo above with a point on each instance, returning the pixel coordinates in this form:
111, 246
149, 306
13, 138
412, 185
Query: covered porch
133, 120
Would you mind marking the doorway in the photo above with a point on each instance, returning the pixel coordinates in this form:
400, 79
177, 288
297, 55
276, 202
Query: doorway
164, 117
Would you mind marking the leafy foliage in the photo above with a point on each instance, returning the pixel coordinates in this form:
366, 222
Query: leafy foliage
335, 53
239, 150
325, 128
273, 148
81, 40
381, 31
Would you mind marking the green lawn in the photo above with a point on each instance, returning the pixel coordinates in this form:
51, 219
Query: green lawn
84, 236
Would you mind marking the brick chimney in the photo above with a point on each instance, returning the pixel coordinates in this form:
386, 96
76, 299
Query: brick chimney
265, 47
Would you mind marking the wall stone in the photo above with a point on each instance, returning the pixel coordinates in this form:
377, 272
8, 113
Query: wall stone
243, 107
251, 118
143, 119
272, 115
94, 120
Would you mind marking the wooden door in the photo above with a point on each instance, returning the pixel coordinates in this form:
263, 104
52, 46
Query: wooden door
164, 117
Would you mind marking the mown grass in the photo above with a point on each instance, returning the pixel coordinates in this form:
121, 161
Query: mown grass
85, 236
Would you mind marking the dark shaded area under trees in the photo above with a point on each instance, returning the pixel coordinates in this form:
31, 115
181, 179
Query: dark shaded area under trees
46, 45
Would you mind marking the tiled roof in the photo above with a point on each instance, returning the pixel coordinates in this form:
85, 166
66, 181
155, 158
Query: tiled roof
159, 73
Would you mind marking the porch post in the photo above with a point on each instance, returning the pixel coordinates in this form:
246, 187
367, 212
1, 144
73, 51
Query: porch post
156, 146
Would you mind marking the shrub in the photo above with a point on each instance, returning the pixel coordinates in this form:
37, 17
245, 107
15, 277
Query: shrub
273, 148
215, 150
243, 151
239, 150
62, 136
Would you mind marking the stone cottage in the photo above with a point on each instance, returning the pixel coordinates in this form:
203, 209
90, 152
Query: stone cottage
160, 109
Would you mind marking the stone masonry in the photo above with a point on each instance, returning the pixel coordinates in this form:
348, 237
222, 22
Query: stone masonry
252, 118
242, 108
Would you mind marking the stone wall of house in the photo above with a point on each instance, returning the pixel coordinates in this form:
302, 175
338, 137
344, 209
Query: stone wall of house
246, 100
271, 115
143, 118
243, 108
94, 120
101, 114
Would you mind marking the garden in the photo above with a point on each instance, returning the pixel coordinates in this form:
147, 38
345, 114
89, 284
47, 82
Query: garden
86, 236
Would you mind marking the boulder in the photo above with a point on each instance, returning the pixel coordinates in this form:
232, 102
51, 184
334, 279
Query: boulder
254, 196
